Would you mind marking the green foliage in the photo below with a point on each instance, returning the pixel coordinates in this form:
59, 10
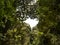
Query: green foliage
15, 32
6, 14
48, 12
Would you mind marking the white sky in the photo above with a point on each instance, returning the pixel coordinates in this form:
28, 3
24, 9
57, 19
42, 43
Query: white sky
31, 22
33, 2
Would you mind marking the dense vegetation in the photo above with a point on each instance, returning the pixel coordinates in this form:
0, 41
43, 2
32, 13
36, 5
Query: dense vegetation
14, 32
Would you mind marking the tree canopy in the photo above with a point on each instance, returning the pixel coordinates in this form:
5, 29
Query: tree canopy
14, 32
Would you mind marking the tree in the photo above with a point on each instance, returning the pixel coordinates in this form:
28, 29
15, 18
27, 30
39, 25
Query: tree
48, 12
7, 18
13, 31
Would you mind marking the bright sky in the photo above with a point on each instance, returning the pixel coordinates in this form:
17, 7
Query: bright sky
32, 2
31, 22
